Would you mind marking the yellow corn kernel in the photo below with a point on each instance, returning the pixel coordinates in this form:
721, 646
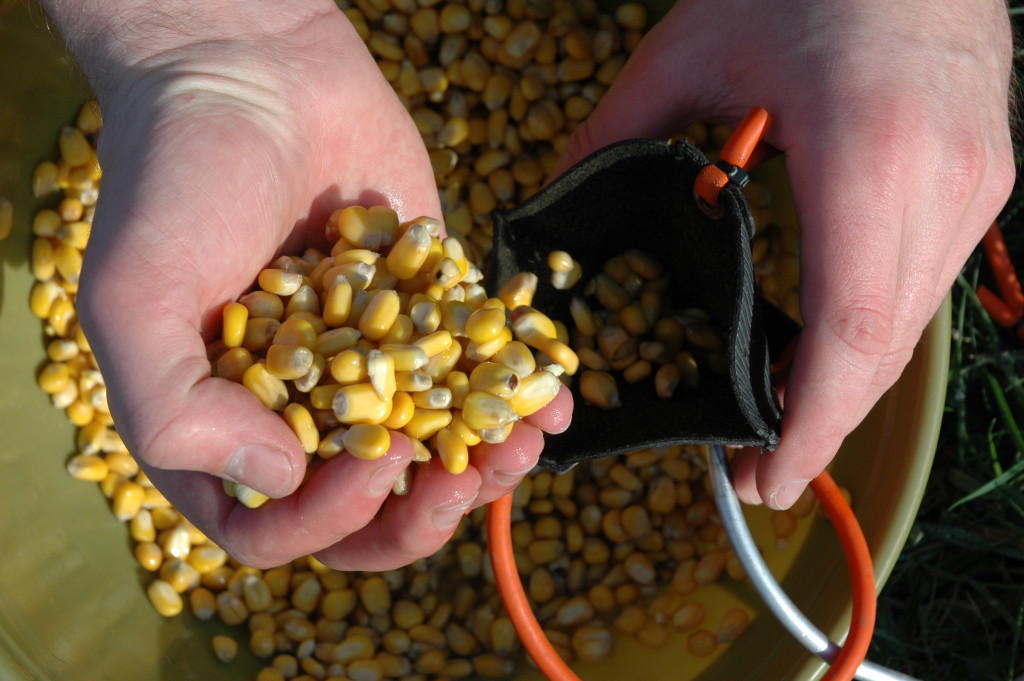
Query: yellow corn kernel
259, 333
402, 410
75, 233
288, 361
360, 403
149, 556
413, 381
557, 351
357, 273
406, 357
458, 426
311, 378
46, 223
426, 422
535, 392
263, 304
426, 316
560, 261
485, 324
44, 262
179, 574
454, 316
331, 444
68, 261
300, 421
380, 369
531, 322
203, 603
80, 412
141, 527
71, 210
438, 397
44, 179
54, 377
122, 462
74, 148
379, 315
268, 389
410, 252
224, 647
334, 341
482, 411
87, 467
279, 282
357, 226
367, 441
247, 496
313, 319
164, 598
206, 559
481, 352
296, 331
400, 333
452, 449
348, 367
434, 343
457, 383
322, 396
338, 304
599, 389
235, 317
496, 379
127, 500
637, 371
666, 380
519, 290
233, 364
89, 119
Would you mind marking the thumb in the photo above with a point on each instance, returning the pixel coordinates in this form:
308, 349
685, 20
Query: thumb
167, 407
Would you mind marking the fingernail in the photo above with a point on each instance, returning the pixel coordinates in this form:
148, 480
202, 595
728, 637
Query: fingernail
383, 479
446, 518
786, 495
264, 469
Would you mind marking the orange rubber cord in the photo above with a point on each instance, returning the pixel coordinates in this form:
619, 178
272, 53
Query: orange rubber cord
506, 576
862, 578
858, 558
739, 151
1006, 308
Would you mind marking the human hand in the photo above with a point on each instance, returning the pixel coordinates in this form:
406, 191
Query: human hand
228, 141
894, 119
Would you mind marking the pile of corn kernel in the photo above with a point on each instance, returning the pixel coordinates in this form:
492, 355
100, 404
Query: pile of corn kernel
495, 89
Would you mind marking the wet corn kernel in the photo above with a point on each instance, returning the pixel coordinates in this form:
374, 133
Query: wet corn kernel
164, 598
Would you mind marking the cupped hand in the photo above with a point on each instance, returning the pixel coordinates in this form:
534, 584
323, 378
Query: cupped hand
894, 120
221, 152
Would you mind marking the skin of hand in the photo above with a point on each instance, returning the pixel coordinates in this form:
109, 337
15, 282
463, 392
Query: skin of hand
231, 133
894, 119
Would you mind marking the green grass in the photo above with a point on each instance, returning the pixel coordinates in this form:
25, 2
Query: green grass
954, 605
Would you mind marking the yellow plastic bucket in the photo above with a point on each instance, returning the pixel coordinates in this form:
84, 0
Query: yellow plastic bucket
72, 602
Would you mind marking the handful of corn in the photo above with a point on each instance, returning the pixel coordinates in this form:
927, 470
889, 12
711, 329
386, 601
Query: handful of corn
390, 331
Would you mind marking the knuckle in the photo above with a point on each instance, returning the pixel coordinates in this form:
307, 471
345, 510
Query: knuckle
865, 326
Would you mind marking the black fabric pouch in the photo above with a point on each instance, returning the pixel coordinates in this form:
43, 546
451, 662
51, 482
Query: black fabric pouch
639, 194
